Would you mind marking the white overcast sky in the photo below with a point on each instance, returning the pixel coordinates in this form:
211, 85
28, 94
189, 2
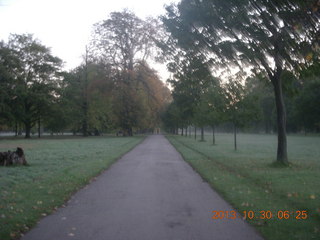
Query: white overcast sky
65, 25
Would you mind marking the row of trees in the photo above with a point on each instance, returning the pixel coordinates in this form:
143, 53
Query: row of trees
263, 39
201, 100
247, 105
113, 89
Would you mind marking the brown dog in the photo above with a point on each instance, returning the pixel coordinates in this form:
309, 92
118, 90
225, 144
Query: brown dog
13, 158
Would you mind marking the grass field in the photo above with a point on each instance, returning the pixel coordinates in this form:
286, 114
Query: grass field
247, 180
57, 168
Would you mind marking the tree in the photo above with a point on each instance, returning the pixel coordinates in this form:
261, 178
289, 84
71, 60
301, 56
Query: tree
212, 106
241, 108
34, 80
86, 98
155, 94
124, 41
191, 78
172, 118
265, 36
139, 104
260, 88
128, 108
7, 63
209, 108
100, 88
307, 104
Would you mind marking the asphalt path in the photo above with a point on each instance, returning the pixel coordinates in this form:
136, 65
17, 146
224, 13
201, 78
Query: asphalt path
148, 194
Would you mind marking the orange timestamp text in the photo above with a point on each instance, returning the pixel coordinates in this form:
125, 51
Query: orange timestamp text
263, 214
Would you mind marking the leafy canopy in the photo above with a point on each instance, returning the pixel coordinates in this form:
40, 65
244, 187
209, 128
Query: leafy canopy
265, 35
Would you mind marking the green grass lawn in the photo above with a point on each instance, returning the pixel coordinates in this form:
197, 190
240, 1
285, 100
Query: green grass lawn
57, 168
247, 179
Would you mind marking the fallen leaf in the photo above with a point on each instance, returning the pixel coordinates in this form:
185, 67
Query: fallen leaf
246, 204
309, 57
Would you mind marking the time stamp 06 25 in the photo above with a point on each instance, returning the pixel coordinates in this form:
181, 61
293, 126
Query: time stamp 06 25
263, 214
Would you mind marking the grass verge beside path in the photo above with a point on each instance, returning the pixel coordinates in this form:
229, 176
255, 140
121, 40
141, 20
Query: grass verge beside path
58, 168
249, 182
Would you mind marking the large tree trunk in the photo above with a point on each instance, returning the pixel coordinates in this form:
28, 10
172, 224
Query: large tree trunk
195, 132
282, 156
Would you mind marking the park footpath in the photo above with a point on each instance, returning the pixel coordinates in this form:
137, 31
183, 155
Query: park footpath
148, 194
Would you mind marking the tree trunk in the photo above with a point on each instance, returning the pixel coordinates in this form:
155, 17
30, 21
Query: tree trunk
85, 98
85, 127
96, 132
39, 127
16, 129
202, 134
282, 156
235, 136
130, 132
213, 136
186, 131
27, 120
195, 132
28, 129
182, 131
